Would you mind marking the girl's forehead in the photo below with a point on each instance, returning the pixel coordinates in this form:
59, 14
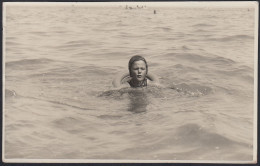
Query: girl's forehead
139, 62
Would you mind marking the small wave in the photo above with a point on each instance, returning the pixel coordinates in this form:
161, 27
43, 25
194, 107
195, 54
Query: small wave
230, 38
28, 62
183, 68
67, 121
203, 25
243, 73
170, 38
120, 24
166, 29
72, 125
76, 43
185, 48
163, 28
192, 57
114, 54
212, 16
110, 116
11, 38
72, 73
188, 56
38, 33
242, 70
153, 64
62, 103
93, 70
222, 60
193, 134
12, 93
10, 43
192, 89
201, 30
60, 32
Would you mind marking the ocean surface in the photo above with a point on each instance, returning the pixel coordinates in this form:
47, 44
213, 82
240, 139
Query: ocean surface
60, 103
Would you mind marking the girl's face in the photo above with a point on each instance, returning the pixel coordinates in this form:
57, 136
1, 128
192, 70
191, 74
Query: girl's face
138, 70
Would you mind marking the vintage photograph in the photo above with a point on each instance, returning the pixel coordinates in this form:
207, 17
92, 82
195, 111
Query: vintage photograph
130, 82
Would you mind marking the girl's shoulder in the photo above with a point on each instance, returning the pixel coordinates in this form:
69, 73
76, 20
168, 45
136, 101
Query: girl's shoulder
125, 82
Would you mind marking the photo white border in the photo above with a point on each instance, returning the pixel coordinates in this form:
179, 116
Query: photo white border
191, 4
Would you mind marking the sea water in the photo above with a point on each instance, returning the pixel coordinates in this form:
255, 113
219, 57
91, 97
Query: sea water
60, 104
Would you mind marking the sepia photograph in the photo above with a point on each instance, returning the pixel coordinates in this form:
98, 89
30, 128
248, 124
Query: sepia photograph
130, 82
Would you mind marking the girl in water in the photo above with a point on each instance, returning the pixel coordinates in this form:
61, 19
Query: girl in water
138, 74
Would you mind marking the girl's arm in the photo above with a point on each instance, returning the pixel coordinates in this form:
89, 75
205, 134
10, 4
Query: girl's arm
118, 80
152, 78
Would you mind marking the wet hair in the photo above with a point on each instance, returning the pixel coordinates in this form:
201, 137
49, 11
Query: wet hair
136, 58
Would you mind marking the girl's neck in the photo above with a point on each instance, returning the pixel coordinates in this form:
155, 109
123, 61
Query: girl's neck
136, 83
